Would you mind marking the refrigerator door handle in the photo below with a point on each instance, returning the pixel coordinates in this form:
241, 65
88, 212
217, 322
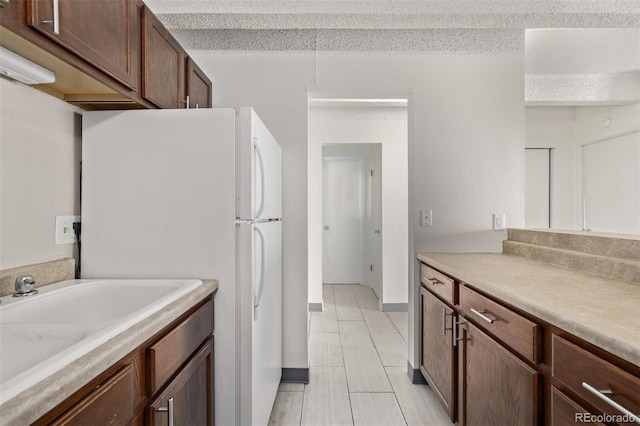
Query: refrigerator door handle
258, 211
258, 295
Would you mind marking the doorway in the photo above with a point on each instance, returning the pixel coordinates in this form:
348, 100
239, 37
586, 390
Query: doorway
381, 125
352, 215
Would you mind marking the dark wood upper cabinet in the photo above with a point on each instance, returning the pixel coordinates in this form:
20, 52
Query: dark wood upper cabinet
107, 54
163, 62
104, 32
199, 87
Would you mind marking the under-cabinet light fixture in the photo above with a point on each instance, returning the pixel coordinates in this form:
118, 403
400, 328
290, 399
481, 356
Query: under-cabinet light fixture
18, 68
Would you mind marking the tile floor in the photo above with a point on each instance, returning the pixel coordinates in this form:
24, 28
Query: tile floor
358, 369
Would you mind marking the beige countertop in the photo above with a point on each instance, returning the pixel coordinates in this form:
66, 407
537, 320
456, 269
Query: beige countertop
601, 311
39, 399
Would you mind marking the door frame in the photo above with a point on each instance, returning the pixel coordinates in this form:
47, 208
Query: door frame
332, 119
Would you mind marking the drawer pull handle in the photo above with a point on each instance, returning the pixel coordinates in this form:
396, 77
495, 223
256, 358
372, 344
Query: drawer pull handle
433, 281
602, 394
482, 315
169, 410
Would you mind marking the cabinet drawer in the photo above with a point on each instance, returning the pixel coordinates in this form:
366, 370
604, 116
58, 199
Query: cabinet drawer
438, 283
514, 330
565, 411
576, 367
167, 355
111, 403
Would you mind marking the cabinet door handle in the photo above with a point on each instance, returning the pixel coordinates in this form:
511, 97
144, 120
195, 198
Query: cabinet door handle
482, 315
56, 18
444, 321
169, 410
433, 281
186, 102
602, 394
454, 326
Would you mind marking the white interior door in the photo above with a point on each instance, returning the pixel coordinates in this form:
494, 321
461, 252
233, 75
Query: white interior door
611, 185
536, 183
343, 217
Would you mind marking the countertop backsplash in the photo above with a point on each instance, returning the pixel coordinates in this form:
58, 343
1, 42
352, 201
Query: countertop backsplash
608, 255
43, 274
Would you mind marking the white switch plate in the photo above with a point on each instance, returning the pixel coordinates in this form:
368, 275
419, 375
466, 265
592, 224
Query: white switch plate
499, 223
64, 229
426, 217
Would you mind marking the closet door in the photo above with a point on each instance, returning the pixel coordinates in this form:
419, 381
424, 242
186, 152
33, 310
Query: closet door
611, 185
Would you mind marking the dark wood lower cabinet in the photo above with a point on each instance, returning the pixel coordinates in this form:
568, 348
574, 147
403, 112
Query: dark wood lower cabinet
437, 360
496, 388
110, 403
176, 363
187, 398
502, 365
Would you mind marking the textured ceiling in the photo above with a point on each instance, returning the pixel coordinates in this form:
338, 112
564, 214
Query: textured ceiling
575, 50
396, 14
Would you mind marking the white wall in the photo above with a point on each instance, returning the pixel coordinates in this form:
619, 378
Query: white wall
591, 126
364, 125
554, 127
466, 154
39, 173
565, 129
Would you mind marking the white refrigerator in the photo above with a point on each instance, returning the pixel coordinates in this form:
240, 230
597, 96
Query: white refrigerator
195, 194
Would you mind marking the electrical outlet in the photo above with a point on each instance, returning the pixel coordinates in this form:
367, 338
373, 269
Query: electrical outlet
426, 217
499, 223
64, 229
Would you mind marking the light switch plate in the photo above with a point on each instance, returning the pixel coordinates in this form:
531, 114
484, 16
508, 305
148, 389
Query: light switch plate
426, 217
64, 229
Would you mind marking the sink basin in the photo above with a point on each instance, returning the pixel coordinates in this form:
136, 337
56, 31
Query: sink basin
42, 334
88, 303
29, 338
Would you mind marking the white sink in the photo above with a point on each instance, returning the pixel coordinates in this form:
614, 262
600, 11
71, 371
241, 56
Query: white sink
42, 334
88, 303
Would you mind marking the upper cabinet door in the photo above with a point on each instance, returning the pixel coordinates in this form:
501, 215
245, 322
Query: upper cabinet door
199, 87
163, 62
105, 32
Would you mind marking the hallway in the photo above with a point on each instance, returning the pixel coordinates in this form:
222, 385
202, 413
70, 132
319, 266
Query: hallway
358, 369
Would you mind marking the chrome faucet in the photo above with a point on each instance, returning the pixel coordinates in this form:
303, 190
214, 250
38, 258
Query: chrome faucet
25, 286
